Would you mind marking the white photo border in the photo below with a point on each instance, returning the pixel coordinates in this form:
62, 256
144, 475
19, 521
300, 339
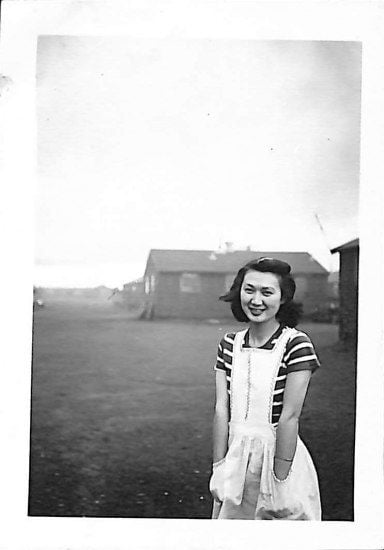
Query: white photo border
22, 22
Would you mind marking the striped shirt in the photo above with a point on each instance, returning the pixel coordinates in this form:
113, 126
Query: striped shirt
299, 355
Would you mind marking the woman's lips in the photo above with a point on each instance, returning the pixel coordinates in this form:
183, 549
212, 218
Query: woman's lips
256, 311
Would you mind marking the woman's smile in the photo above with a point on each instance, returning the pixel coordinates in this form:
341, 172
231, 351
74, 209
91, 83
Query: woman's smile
256, 310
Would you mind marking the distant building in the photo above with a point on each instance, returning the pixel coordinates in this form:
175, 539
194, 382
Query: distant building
348, 288
134, 287
99, 294
333, 286
187, 283
131, 296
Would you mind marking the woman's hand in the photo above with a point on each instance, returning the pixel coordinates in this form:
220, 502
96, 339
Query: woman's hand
216, 485
281, 468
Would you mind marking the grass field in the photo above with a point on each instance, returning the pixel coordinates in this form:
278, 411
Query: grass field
122, 413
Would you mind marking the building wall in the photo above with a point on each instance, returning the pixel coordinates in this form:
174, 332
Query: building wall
170, 301
349, 269
150, 290
316, 293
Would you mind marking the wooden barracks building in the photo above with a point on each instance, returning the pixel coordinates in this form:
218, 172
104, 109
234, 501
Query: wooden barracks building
348, 289
187, 283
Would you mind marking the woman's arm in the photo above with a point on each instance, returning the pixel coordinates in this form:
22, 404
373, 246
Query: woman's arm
221, 417
287, 428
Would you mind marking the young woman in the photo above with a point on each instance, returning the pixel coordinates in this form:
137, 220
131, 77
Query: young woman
261, 468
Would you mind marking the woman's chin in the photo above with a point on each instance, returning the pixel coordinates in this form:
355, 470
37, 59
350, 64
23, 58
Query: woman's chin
256, 318
262, 318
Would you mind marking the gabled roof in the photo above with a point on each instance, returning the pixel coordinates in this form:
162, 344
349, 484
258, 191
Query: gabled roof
208, 261
350, 244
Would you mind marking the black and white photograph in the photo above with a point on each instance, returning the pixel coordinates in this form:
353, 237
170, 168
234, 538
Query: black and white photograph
199, 295
164, 167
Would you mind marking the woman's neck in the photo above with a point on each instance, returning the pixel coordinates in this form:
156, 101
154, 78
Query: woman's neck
260, 333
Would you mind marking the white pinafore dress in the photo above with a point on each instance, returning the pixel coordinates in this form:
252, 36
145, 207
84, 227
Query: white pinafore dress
244, 479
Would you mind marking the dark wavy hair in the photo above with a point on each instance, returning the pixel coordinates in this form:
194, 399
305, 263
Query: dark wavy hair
289, 312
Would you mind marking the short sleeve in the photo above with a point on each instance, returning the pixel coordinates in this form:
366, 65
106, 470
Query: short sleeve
300, 354
220, 365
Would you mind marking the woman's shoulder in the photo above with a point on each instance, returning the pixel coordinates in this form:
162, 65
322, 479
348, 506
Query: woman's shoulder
298, 336
227, 339
230, 336
225, 351
299, 352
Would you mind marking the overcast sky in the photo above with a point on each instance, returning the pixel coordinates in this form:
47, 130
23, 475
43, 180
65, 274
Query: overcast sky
187, 144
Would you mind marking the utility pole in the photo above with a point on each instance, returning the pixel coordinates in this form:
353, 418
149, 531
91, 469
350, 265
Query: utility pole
324, 238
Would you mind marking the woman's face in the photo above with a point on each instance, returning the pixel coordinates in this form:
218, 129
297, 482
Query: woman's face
260, 296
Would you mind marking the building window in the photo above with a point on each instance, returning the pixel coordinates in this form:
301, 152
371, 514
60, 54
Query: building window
190, 282
147, 285
228, 281
152, 283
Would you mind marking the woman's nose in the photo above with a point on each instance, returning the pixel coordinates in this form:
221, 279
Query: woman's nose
256, 298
